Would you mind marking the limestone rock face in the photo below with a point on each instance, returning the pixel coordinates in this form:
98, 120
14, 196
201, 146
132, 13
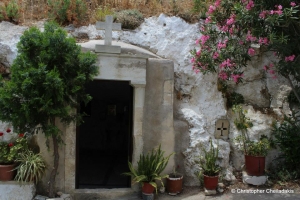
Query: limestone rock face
197, 104
9, 37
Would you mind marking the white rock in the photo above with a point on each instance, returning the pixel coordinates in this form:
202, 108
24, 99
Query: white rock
209, 192
13, 190
254, 180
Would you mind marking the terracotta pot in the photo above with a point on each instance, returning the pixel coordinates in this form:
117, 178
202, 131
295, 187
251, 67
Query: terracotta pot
147, 188
211, 182
174, 184
6, 172
255, 165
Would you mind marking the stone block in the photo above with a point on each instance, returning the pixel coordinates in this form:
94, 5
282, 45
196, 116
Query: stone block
254, 180
107, 49
39, 197
14, 190
209, 192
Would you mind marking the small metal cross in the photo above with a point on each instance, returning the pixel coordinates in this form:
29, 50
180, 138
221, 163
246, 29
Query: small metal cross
222, 129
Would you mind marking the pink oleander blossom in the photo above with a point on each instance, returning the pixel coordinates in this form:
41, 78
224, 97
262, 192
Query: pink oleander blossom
250, 5
251, 51
198, 53
208, 20
218, 3
215, 55
263, 41
293, 4
231, 20
222, 45
236, 77
289, 58
263, 14
223, 75
192, 60
211, 9
227, 63
204, 38
249, 37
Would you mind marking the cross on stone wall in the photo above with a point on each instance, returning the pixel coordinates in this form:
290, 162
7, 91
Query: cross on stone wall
222, 129
108, 26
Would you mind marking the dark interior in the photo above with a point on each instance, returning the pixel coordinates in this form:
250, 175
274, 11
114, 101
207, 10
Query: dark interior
104, 140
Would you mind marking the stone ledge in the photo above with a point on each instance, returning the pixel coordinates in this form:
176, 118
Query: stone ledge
254, 180
10, 190
102, 193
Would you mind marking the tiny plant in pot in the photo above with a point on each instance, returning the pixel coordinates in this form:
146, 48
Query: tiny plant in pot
174, 182
149, 169
255, 151
209, 175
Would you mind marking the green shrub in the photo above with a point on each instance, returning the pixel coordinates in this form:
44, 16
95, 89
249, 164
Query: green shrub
287, 139
234, 98
101, 12
130, 19
66, 11
12, 10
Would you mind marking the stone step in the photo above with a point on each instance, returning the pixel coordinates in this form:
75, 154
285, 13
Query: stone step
254, 180
13, 190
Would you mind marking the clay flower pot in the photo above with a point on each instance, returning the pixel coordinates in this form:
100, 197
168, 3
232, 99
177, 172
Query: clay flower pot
174, 184
255, 165
210, 182
147, 188
6, 172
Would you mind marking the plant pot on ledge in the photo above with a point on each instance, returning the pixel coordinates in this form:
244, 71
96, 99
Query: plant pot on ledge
6, 172
210, 182
255, 165
147, 191
174, 183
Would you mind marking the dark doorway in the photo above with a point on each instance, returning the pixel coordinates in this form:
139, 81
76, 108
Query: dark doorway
104, 140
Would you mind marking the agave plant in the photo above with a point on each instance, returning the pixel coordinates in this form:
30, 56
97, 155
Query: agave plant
149, 167
208, 163
31, 168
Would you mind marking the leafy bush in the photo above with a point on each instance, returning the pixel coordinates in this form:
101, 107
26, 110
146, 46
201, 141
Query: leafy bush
66, 11
233, 98
101, 12
287, 139
130, 19
12, 10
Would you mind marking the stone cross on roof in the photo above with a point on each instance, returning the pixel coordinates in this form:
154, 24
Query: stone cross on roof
108, 26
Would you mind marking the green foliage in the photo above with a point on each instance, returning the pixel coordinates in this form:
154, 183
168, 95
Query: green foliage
241, 122
9, 150
31, 167
200, 7
234, 98
149, 167
48, 78
12, 10
101, 13
66, 11
208, 163
287, 139
130, 19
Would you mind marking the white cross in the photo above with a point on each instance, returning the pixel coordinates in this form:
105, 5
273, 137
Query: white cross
108, 26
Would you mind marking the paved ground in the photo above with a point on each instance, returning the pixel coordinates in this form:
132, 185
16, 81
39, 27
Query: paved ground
197, 194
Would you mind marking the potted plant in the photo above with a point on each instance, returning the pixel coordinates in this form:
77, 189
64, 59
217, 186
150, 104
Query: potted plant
31, 166
174, 182
149, 169
209, 174
8, 153
255, 151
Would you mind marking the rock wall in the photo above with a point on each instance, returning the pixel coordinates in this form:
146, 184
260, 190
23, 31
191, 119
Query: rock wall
197, 102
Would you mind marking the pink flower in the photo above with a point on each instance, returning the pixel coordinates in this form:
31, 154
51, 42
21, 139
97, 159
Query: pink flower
271, 65
266, 67
198, 52
221, 45
290, 58
241, 42
196, 71
217, 3
211, 9
10, 144
192, 60
263, 14
251, 52
197, 41
263, 41
1, 133
223, 75
250, 5
215, 55
293, 4
208, 20
204, 38
236, 77
280, 7
226, 63
231, 20
249, 37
